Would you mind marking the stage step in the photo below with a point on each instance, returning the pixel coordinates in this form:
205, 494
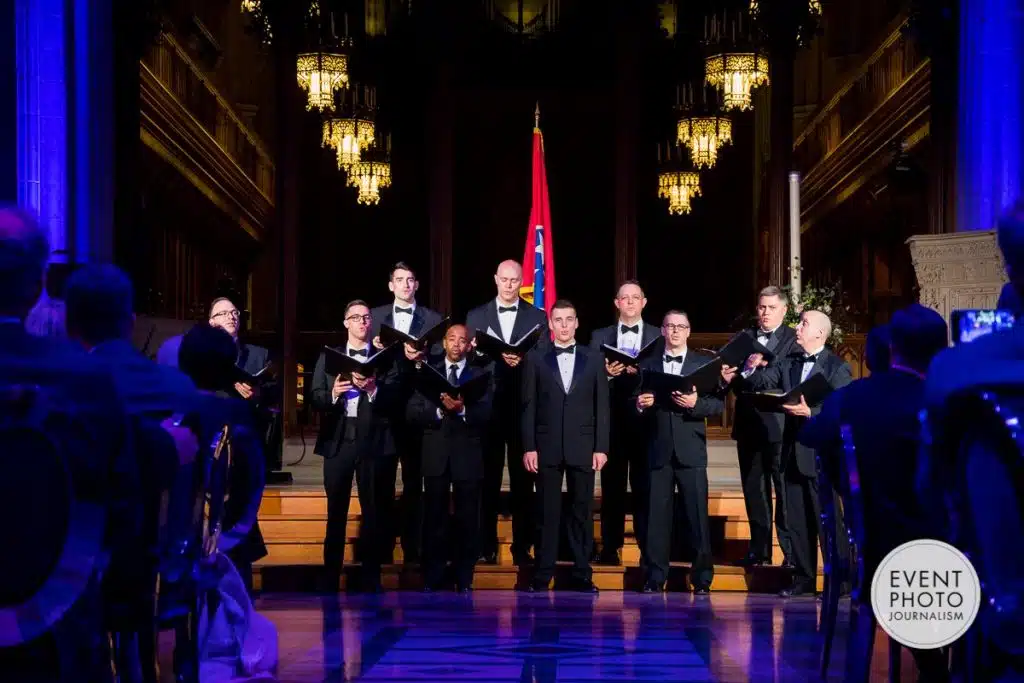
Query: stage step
308, 578
294, 520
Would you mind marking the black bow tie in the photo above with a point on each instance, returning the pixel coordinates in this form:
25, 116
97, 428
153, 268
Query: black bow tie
635, 329
507, 309
359, 352
762, 333
673, 359
403, 310
809, 358
565, 349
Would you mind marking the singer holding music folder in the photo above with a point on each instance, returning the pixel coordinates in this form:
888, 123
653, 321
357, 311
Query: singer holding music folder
355, 390
808, 358
677, 454
452, 404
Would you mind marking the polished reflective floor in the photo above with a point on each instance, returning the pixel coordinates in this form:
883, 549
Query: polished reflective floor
507, 636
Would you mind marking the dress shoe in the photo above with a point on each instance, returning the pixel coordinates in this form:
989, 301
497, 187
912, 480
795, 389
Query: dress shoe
583, 586
796, 590
464, 590
701, 590
610, 557
752, 560
489, 558
788, 565
652, 587
536, 587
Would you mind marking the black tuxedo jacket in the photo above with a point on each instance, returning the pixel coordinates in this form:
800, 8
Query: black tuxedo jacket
454, 440
750, 424
506, 380
423, 319
565, 427
679, 433
373, 428
785, 375
624, 387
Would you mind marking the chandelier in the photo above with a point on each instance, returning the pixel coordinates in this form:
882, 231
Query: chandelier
679, 188
320, 74
736, 74
348, 138
813, 6
369, 177
704, 135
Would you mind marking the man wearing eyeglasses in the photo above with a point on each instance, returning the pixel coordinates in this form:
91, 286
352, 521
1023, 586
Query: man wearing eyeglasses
251, 358
626, 460
677, 456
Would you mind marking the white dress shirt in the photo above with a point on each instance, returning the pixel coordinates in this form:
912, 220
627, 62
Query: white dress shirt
506, 319
762, 339
673, 368
352, 395
403, 321
461, 366
629, 341
809, 364
566, 364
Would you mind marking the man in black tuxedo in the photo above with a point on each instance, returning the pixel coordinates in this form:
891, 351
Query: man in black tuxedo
677, 455
799, 462
405, 315
509, 317
627, 459
355, 440
453, 459
565, 431
758, 436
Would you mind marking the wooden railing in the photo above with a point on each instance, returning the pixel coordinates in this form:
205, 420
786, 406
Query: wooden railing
851, 350
171, 65
881, 75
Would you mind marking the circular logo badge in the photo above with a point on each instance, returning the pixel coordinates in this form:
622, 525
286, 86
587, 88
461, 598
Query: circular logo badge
925, 594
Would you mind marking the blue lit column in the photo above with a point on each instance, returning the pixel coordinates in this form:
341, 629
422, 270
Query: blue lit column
990, 136
64, 69
42, 117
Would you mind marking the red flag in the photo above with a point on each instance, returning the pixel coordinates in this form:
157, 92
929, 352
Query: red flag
539, 280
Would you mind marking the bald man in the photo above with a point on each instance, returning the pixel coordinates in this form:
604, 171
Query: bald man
453, 461
509, 317
799, 465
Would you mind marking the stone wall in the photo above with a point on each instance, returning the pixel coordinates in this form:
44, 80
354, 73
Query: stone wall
958, 270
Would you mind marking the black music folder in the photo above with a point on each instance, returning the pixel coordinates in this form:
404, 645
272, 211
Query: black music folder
431, 382
254, 379
389, 335
740, 348
338, 362
618, 355
492, 345
707, 378
814, 390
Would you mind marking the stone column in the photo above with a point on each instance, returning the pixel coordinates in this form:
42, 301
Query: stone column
42, 118
958, 270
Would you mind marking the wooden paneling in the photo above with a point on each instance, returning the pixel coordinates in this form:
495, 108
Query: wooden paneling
883, 103
192, 127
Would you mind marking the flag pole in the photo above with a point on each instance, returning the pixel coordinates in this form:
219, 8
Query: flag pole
536, 116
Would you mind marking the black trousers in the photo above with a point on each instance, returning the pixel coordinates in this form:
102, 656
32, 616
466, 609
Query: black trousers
405, 517
804, 516
627, 462
760, 470
338, 474
579, 525
465, 532
693, 491
504, 438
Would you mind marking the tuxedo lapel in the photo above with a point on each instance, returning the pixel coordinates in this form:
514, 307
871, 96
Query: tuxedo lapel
796, 369
648, 334
493, 323
521, 326
551, 360
416, 326
578, 366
